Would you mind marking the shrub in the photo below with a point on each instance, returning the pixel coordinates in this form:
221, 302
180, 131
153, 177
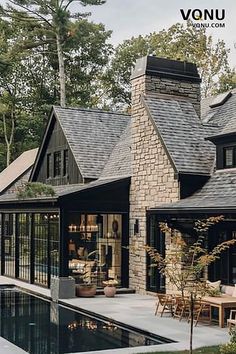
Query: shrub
229, 348
34, 190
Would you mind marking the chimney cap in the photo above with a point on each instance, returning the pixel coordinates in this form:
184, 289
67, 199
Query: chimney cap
168, 68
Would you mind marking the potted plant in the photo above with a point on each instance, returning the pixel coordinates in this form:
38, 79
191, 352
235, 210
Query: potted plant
110, 287
86, 288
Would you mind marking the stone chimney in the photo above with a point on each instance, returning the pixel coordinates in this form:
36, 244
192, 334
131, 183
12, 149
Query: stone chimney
154, 180
168, 78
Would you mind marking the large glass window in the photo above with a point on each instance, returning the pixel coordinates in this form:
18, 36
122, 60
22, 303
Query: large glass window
46, 245
30, 246
94, 247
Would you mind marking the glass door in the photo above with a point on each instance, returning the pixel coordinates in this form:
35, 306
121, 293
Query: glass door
156, 239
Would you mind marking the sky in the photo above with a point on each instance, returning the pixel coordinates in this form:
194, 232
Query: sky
127, 18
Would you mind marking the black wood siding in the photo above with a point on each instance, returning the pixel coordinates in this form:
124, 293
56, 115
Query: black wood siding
57, 142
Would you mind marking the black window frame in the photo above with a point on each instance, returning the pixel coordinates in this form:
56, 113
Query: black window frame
225, 149
57, 164
65, 162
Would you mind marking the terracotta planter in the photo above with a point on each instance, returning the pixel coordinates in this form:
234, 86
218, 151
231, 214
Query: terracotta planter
110, 291
86, 290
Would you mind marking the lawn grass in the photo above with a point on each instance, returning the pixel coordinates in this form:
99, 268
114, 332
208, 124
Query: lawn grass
205, 350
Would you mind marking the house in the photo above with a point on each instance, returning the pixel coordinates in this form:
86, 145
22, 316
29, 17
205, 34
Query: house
17, 172
115, 176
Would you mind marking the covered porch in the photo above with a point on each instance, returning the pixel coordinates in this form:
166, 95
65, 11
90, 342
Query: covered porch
82, 232
223, 269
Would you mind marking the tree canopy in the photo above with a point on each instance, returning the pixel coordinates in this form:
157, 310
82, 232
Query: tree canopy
180, 42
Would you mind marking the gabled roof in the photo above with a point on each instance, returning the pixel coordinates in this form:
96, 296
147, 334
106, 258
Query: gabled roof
16, 169
91, 135
218, 192
183, 134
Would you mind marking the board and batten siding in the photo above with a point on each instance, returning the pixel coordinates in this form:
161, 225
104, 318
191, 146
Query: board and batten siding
57, 142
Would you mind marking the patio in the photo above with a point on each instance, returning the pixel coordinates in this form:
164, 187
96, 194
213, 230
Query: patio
138, 311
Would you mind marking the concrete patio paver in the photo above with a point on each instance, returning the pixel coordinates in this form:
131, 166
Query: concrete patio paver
137, 311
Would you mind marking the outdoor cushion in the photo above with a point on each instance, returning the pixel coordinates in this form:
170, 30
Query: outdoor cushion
215, 284
229, 290
234, 292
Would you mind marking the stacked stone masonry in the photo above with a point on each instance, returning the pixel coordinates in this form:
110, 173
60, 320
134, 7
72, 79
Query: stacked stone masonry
188, 90
153, 180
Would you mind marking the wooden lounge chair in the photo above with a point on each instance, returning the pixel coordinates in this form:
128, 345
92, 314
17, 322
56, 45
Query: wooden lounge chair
201, 312
165, 302
182, 307
231, 321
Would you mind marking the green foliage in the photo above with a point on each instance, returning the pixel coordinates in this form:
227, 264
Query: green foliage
34, 190
178, 42
229, 348
29, 78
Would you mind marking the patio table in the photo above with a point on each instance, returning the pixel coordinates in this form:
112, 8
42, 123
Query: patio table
221, 302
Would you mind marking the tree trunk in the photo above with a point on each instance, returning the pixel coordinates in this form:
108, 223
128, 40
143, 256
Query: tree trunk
191, 324
9, 139
62, 80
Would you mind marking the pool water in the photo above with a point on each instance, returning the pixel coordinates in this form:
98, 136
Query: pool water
42, 327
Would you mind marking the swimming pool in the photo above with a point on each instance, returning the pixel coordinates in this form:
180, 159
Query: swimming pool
39, 326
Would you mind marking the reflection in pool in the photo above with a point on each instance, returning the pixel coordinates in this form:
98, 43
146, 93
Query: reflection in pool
43, 327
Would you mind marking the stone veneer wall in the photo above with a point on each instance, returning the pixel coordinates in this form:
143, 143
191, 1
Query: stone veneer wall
153, 180
189, 90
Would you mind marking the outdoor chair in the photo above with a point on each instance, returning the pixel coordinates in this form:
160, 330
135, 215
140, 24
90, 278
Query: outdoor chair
201, 313
231, 321
181, 307
165, 302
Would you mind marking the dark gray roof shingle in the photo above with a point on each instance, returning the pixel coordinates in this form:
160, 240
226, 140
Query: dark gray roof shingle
183, 134
119, 163
91, 135
220, 115
218, 192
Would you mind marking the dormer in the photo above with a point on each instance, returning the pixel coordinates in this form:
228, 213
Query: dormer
225, 143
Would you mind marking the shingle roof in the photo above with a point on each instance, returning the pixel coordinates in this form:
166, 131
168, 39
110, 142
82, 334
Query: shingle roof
17, 168
64, 190
183, 134
220, 115
119, 163
218, 192
91, 135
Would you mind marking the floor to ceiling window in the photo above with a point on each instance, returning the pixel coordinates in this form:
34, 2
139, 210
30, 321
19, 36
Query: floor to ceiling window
30, 246
24, 242
94, 247
9, 243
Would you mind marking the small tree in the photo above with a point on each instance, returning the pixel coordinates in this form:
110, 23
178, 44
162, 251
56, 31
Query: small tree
185, 264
